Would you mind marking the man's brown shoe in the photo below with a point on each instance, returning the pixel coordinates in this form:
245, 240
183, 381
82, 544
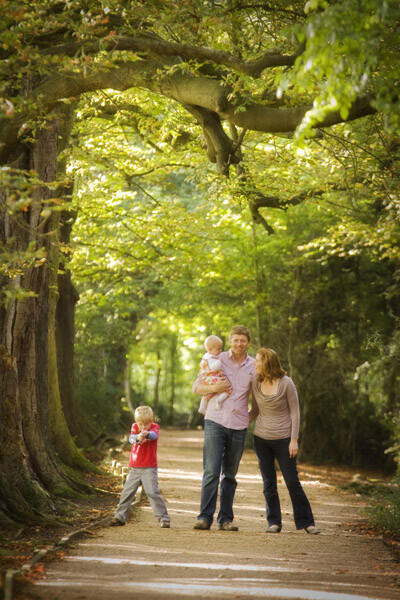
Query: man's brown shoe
227, 526
202, 524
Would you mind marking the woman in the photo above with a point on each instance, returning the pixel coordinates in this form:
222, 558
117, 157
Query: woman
276, 406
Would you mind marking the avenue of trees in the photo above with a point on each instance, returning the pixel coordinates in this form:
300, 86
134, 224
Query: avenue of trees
169, 170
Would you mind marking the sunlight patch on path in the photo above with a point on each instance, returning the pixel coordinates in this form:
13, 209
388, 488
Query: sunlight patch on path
256, 591
294, 569
195, 476
146, 563
259, 592
212, 589
178, 474
152, 549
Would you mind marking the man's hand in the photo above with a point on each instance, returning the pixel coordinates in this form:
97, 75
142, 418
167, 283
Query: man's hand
215, 388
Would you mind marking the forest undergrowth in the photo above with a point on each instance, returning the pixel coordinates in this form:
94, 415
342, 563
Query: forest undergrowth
19, 544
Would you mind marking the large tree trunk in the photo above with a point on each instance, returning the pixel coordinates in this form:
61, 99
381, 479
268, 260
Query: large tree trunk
78, 426
60, 434
22, 496
30, 468
82, 432
68, 296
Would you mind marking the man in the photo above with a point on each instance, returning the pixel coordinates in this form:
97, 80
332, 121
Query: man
225, 431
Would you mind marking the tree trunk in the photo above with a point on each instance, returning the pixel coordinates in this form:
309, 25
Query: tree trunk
128, 387
80, 429
60, 434
156, 398
77, 425
260, 296
22, 496
29, 466
171, 401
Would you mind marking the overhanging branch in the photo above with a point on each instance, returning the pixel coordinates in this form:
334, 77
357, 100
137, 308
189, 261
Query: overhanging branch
220, 148
157, 47
188, 89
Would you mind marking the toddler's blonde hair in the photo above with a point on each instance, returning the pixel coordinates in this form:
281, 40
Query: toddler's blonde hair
144, 414
211, 341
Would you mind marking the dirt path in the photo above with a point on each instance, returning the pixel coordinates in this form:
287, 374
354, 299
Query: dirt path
142, 560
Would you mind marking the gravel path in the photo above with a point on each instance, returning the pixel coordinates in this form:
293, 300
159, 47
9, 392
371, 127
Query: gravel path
143, 560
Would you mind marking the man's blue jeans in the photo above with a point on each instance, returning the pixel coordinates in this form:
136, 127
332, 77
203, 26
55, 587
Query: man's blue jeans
267, 451
222, 451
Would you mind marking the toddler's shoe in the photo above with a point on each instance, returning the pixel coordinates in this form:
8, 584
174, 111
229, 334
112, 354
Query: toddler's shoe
115, 522
165, 524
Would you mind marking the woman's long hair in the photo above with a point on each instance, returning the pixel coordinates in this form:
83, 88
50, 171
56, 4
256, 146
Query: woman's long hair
271, 365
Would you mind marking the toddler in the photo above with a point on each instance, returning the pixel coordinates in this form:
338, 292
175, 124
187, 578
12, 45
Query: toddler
211, 372
143, 469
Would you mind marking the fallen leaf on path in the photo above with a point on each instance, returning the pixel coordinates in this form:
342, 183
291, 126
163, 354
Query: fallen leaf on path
340, 571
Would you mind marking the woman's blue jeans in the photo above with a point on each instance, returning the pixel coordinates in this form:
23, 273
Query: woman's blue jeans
222, 451
267, 451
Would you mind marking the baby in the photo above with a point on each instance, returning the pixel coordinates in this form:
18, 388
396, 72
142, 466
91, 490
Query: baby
211, 372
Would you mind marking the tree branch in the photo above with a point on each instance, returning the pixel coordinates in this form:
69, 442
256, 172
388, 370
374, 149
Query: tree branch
159, 48
186, 88
220, 148
258, 218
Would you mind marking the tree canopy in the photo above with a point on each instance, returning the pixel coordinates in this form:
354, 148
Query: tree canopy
266, 68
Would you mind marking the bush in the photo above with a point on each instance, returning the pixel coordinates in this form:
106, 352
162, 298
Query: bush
384, 511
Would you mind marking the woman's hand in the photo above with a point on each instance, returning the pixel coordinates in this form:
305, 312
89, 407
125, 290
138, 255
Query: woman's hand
254, 411
293, 448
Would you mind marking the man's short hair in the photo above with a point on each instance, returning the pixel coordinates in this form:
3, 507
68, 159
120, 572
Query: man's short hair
144, 414
240, 330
